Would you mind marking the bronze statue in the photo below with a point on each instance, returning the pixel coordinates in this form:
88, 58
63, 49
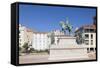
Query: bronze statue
66, 26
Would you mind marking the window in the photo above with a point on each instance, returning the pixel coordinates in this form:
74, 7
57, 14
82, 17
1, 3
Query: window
91, 42
89, 30
87, 50
91, 49
86, 42
92, 30
91, 36
86, 36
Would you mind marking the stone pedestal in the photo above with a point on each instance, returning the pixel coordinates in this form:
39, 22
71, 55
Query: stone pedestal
66, 48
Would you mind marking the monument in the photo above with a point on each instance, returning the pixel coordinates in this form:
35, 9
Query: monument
64, 46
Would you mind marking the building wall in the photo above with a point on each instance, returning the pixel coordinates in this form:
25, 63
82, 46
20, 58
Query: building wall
91, 41
41, 41
87, 36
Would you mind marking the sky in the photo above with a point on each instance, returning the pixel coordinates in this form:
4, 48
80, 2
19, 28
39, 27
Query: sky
47, 18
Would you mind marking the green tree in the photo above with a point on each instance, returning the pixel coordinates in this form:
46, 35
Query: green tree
25, 46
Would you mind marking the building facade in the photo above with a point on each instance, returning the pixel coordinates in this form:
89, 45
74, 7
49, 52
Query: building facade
41, 41
87, 35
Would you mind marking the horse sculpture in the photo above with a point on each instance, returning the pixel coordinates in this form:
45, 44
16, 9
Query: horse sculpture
66, 26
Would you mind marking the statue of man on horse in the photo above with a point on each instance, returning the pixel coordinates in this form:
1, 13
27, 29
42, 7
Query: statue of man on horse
66, 26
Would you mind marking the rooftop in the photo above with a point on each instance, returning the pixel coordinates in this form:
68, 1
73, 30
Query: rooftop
92, 26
